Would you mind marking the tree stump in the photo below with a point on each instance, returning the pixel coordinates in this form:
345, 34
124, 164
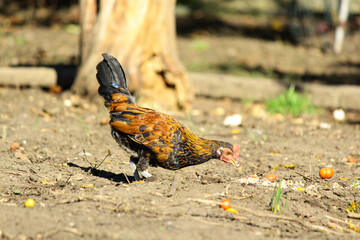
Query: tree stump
141, 35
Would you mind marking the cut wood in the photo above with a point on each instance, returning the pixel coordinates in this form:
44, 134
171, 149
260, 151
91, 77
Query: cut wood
28, 76
141, 35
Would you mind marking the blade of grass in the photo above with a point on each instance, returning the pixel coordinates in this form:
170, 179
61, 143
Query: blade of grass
275, 202
286, 203
36, 124
5, 134
83, 125
192, 125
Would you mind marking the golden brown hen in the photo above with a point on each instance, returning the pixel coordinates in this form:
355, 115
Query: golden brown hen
150, 137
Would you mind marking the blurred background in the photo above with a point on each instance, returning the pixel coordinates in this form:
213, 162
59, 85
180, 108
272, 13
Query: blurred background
291, 40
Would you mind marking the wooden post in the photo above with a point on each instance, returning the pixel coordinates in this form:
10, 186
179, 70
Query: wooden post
340, 29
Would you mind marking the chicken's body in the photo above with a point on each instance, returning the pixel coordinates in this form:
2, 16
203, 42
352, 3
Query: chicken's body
150, 137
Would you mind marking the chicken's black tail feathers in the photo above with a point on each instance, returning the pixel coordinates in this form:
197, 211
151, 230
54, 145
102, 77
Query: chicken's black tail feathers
111, 78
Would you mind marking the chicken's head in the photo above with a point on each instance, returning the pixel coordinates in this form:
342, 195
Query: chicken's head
228, 155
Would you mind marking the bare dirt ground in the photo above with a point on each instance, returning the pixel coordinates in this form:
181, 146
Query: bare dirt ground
74, 201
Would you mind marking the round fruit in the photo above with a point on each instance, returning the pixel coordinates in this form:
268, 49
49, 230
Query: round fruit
271, 177
30, 203
225, 204
15, 145
326, 173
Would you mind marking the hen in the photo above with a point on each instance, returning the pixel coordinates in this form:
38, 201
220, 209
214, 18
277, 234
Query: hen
150, 137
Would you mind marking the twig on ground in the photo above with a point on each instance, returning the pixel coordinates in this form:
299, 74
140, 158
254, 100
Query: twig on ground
50, 233
174, 185
303, 175
4, 134
127, 179
227, 189
354, 215
270, 215
302, 222
83, 197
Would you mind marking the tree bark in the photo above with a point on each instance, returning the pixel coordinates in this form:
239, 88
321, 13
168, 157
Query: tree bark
141, 35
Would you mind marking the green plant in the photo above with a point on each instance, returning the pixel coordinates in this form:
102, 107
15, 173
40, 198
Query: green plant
200, 45
192, 125
36, 123
83, 125
253, 136
20, 41
356, 185
291, 103
275, 202
354, 206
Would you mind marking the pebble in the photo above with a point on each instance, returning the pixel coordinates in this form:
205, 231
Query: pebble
324, 125
67, 103
233, 120
100, 183
77, 177
84, 154
339, 115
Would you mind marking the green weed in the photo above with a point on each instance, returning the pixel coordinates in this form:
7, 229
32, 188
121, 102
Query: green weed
200, 45
36, 124
291, 103
354, 206
192, 125
275, 202
83, 125
20, 41
253, 136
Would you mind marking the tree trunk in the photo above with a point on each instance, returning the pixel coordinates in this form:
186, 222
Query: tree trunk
141, 35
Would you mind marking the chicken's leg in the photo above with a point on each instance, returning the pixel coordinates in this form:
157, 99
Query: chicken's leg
134, 171
138, 166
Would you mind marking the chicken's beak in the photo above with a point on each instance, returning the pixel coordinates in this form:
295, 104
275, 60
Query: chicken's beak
234, 162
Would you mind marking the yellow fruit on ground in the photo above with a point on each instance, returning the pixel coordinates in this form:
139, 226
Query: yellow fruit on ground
30, 203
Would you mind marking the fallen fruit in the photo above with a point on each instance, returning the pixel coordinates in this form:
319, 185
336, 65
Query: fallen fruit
271, 177
29, 203
225, 204
233, 210
352, 159
14, 145
326, 173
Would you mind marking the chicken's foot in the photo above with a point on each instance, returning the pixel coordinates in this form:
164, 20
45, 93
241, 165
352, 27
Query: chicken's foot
139, 174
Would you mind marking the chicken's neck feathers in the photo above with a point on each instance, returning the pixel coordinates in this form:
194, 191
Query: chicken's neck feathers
203, 148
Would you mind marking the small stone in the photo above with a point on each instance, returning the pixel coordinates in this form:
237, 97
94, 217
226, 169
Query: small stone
77, 177
100, 183
67, 103
233, 120
85, 154
219, 111
339, 115
324, 125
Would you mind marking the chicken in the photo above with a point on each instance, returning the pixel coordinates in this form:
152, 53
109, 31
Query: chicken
150, 137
